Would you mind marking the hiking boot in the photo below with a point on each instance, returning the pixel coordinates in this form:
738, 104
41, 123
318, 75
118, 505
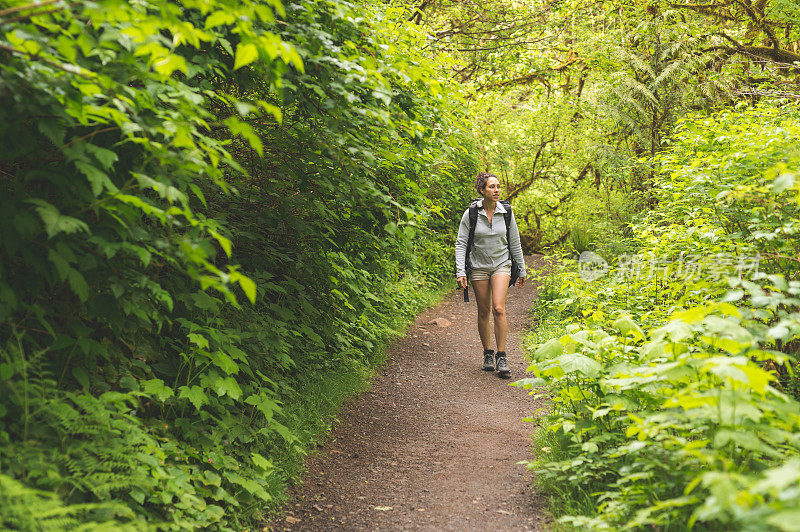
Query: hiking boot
501, 363
488, 360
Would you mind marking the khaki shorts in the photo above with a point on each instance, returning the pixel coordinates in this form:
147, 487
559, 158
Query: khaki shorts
481, 274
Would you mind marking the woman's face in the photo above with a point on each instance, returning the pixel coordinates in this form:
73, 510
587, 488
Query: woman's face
492, 190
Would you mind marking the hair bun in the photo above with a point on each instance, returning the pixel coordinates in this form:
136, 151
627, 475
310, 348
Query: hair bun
481, 179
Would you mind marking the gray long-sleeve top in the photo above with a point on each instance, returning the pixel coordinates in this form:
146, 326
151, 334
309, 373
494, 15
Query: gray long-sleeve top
490, 248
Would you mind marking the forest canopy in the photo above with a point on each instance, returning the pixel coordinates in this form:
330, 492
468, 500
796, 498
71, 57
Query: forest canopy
570, 98
216, 213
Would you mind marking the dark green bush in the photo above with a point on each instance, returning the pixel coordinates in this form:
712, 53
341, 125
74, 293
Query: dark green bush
673, 400
203, 204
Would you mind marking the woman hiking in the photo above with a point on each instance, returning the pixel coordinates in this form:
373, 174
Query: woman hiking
488, 264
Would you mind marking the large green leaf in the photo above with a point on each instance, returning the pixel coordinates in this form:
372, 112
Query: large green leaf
578, 363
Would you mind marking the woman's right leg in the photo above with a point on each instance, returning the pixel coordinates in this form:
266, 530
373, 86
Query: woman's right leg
499, 284
483, 296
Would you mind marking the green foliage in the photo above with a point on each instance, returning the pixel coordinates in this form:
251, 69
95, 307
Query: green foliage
28, 509
567, 98
650, 90
204, 204
673, 389
580, 239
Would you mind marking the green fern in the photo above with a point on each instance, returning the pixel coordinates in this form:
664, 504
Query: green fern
581, 239
650, 90
25, 508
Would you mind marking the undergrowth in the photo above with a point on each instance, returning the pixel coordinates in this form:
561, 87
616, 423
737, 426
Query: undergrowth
672, 379
207, 209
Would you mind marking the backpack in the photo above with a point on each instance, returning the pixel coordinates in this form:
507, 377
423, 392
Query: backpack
473, 221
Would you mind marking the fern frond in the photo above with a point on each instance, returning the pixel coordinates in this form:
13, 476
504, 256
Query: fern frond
636, 88
671, 74
25, 508
638, 64
629, 103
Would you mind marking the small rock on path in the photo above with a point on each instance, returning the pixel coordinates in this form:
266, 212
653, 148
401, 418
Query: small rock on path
434, 444
440, 322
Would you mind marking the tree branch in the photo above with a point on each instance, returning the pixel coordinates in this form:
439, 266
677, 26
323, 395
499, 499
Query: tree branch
760, 23
519, 189
88, 135
38, 13
492, 48
65, 68
776, 55
706, 9
17, 9
416, 17
519, 81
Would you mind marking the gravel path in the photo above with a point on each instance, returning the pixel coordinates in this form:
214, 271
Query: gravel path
434, 444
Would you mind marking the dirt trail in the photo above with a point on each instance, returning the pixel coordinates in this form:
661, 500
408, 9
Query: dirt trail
433, 445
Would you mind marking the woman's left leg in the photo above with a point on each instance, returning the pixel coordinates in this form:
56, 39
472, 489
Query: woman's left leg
481, 288
499, 290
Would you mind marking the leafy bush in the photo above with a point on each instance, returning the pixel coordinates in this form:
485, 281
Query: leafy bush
206, 206
672, 404
580, 239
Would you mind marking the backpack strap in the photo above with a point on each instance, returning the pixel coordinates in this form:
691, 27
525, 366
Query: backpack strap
473, 221
514, 266
507, 216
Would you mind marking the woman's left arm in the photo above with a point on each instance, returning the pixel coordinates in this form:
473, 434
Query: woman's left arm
516, 247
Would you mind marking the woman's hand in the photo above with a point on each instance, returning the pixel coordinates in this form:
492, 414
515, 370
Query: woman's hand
521, 282
462, 282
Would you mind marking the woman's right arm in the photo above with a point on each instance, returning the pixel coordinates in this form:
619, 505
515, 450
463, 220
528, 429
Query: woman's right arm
461, 244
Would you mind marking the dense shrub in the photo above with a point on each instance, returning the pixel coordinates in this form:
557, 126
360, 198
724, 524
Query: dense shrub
204, 206
674, 402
